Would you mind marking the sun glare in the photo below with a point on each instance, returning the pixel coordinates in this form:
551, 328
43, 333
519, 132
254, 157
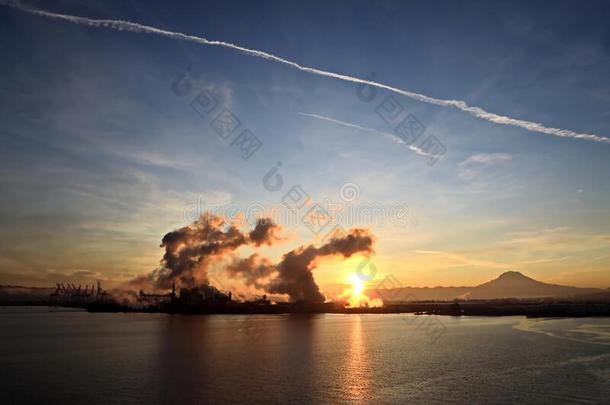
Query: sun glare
354, 294
357, 285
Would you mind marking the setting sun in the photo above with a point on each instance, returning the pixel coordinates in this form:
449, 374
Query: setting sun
304, 201
355, 294
357, 285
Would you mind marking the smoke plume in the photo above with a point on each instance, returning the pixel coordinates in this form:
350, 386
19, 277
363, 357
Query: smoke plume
191, 249
293, 275
264, 233
252, 270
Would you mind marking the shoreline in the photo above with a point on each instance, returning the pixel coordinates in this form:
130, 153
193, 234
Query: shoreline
487, 308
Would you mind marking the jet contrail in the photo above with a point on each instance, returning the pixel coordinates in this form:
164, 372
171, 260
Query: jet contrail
461, 105
392, 137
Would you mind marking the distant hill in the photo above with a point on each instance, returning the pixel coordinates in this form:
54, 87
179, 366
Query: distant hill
511, 284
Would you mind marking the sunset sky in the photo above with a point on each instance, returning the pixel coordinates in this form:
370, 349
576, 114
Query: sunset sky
102, 152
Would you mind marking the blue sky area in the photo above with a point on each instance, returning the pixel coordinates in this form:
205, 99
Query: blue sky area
101, 152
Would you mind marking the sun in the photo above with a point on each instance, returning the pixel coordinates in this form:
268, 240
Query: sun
357, 285
355, 293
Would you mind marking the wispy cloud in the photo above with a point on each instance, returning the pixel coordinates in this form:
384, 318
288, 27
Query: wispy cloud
487, 158
475, 165
387, 135
459, 104
153, 159
455, 259
551, 249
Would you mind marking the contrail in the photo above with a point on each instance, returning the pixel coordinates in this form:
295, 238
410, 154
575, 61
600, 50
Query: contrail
461, 105
392, 137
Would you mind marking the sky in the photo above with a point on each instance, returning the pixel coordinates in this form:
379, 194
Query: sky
107, 143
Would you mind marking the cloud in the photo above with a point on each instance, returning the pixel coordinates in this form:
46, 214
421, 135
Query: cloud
459, 104
475, 165
152, 159
459, 259
387, 135
487, 158
560, 240
523, 249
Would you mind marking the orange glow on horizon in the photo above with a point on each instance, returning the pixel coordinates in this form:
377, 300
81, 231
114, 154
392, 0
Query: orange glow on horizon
355, 295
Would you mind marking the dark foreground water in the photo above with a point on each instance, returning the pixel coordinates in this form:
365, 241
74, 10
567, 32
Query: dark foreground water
73, 357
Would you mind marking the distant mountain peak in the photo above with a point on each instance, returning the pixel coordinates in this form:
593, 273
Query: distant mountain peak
510, 284
514, 275
512, 279
513, 284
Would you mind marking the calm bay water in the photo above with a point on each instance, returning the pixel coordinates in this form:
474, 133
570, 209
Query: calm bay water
51, 356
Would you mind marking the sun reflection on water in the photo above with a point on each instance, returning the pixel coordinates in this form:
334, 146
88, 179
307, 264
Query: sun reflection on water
357, 370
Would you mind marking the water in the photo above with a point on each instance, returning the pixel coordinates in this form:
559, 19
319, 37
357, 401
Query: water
50, 356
